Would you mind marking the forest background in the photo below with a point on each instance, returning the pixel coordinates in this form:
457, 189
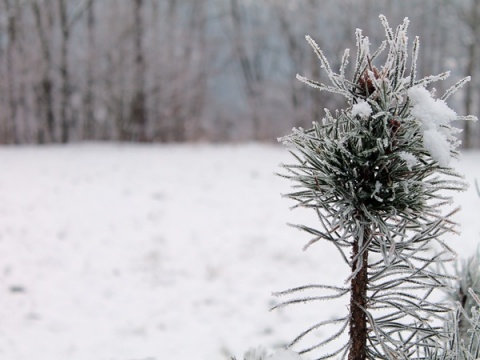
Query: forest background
202, 70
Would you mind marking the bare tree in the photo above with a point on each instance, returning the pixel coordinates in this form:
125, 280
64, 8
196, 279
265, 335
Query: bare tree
138, 112
295, 55
44, 88
64, 72
68, 19
471, 18
199, 63
89, 99
250, 64
12, 10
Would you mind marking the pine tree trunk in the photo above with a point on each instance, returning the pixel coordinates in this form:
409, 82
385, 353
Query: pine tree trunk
358, 302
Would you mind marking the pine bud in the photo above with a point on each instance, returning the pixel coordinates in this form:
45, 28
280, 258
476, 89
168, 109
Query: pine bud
394, 126
366, 83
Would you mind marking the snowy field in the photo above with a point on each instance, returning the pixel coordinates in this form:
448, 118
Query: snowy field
120, 252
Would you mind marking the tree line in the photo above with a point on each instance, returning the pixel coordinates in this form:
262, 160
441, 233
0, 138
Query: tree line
200, 70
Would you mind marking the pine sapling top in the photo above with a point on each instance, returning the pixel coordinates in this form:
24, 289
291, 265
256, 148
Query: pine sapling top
376, 173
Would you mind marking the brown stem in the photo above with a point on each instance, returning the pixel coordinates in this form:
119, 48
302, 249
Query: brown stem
358, 302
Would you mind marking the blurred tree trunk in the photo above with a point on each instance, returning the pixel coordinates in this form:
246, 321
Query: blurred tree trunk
89, 99
68, 19
175, 116
44, 89
199, 29
23, 133
138, 113
155, 91
294, 52
367, 10
12, 29
66, 121
317, 107
474, 26
249, 66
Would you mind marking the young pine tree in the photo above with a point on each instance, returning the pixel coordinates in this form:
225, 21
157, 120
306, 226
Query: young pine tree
376, 174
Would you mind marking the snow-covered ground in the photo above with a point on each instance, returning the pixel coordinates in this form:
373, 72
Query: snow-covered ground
121, 252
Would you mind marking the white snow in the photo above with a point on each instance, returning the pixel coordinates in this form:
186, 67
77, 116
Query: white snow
258, 353
285, 355
117, 252
378, 187
434, 115
431, 112
437, 144
409, 159
361, 108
